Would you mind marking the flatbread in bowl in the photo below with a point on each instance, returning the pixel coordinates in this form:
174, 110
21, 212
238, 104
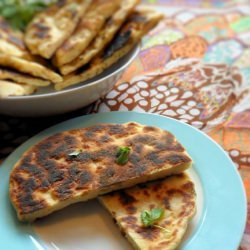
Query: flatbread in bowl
46, 101
77, 62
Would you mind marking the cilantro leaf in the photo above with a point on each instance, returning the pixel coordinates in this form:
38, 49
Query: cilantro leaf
146, 218
149, 218
122, 155
157, 213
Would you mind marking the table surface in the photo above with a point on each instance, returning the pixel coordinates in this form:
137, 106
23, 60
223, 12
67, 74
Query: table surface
194, 66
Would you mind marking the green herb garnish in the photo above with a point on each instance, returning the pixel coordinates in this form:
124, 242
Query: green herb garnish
150, 218
122, 155
20, 12
74, 154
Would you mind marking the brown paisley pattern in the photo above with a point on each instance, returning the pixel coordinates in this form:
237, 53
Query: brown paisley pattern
199, 94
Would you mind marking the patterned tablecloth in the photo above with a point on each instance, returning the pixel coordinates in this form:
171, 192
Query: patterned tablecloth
195, 67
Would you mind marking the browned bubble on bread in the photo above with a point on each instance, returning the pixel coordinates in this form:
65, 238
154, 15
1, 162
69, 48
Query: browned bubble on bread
78, 165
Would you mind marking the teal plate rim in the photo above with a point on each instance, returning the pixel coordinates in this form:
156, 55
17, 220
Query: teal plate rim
223, 219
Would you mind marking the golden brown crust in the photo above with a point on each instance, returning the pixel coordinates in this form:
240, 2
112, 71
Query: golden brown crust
11, 42
139, 23
8, 88
8, 74
47, 178
50, 28
175, 194
103, 38
15, 55
29, 67
91, 23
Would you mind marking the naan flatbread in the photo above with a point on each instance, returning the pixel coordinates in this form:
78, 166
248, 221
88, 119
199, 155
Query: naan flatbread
29, 67
50, 28
8, 88
11, 42
87, 29
175, 194
80, 164
7, 74
103, 38
138, 24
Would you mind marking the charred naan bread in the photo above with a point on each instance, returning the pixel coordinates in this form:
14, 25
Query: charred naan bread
29, 67
80, 164
137, 25
50, 28
11, 42
7, 74
87, 29
103, 38
14, 55
175, 194
8, 88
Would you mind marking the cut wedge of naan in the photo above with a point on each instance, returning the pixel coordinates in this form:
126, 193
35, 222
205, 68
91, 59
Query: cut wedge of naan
103, 38
29, 67
50, 28
91, 23
137, 25
11, 42
8, 88
77, 165
175, 194
15, 76
14, 55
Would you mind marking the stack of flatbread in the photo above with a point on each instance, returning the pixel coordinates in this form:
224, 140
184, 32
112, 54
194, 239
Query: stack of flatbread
70, 42
81, 164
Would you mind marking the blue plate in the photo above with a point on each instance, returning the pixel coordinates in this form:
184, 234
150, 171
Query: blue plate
222, 214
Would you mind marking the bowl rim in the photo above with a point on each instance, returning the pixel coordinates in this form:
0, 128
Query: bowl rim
133, 54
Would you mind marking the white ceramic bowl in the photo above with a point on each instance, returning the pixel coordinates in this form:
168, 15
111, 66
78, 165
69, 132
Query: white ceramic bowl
47, 101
